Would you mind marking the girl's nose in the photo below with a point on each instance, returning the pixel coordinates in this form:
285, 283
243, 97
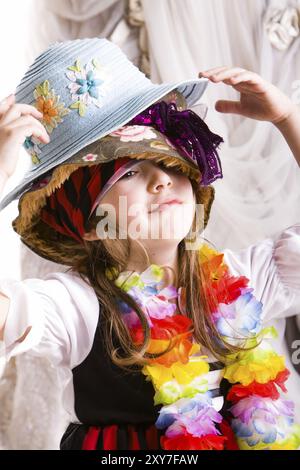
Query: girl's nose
159, 179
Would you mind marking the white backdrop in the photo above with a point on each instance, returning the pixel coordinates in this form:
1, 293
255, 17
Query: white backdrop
14, 59
260, 193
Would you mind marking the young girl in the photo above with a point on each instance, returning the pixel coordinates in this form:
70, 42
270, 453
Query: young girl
160, 343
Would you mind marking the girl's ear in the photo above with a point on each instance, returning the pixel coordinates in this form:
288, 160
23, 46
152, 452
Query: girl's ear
91, 236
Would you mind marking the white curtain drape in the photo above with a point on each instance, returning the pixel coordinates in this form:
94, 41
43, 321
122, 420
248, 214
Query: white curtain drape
260, 192
31, 413
61, 20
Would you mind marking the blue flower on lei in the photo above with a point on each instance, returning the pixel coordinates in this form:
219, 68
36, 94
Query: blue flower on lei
262, 420
241, 318
196, 415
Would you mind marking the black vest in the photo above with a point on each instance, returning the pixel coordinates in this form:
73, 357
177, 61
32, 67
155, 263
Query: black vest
106, 394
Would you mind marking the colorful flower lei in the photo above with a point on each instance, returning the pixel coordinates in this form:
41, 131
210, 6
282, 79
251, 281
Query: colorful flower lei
258, 418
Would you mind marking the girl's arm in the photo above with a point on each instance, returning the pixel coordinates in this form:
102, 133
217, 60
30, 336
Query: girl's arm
290, 129
259, 100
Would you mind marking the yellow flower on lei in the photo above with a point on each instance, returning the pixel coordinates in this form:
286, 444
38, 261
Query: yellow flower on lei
170, 392
182, 373
259, 365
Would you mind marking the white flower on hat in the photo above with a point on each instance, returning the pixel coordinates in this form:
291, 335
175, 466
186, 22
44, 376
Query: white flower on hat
89, 85
134, 133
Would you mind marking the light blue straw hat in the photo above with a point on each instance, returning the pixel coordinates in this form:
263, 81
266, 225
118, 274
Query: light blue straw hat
86, 89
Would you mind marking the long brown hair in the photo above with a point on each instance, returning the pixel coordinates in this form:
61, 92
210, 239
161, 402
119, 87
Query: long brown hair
95, 257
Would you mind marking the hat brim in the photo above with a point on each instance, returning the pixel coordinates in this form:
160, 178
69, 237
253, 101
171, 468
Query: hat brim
192, 90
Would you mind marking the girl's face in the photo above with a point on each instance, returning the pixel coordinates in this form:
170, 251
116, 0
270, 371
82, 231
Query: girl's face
151, 202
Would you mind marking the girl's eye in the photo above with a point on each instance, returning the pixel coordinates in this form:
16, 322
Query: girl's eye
128, 174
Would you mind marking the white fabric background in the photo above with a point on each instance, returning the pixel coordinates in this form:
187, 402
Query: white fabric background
31, 413
260, 192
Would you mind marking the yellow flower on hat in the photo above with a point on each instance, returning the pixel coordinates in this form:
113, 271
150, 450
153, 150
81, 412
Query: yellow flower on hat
47, 102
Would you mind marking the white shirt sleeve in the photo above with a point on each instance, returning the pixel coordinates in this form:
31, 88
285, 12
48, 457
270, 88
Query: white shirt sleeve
273, 269
62, 311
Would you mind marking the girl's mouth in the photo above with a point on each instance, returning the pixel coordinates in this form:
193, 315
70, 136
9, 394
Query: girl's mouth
165, 205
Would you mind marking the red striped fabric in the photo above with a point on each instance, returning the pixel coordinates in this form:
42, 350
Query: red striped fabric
152, 438
133, 439
110, 437
91, 438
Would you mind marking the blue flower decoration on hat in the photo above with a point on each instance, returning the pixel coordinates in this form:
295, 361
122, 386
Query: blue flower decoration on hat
89, 85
